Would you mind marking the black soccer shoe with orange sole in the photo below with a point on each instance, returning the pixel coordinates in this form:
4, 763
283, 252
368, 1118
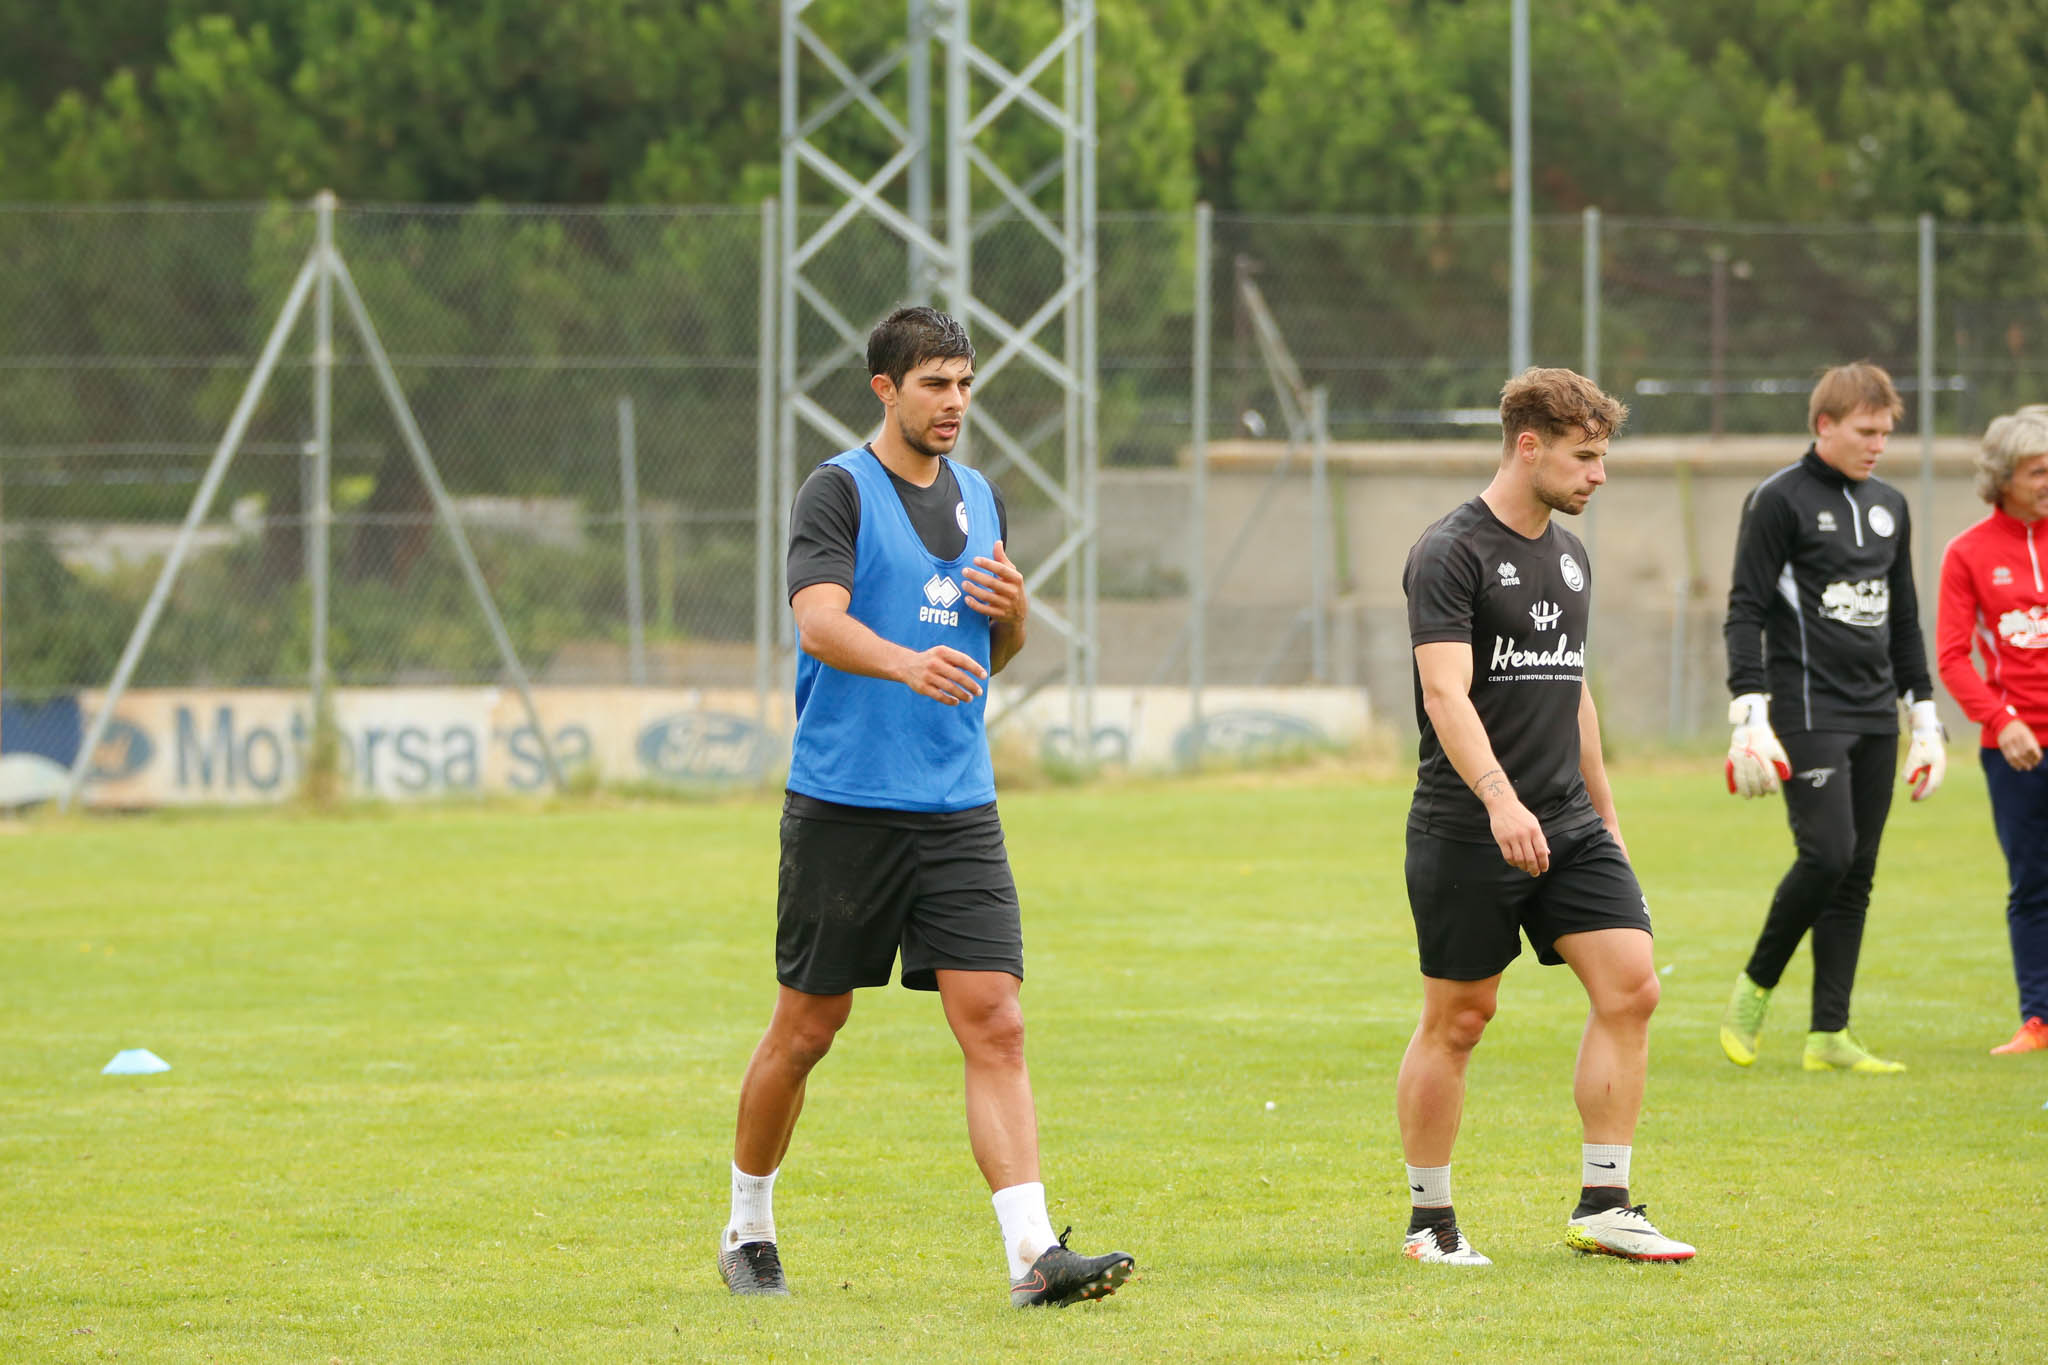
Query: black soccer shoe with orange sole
1060, 1277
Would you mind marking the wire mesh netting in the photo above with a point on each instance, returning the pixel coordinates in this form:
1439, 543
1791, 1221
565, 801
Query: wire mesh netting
528, 343
528, 346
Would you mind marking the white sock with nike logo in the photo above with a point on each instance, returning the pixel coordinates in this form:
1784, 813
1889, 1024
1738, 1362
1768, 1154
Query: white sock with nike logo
1027, 1228
1429, 1187
1603, 1164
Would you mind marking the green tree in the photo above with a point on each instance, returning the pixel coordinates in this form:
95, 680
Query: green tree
1351, 119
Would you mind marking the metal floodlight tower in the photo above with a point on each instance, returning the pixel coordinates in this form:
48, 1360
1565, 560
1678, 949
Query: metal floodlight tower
1056, 335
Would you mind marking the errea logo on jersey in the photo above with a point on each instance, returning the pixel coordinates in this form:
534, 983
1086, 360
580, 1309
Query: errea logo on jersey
1508, 578
940, 593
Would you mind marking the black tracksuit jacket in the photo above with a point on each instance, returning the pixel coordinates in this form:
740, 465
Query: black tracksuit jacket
1821, 609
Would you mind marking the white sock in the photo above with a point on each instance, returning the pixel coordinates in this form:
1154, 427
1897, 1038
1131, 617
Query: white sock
1027, 1228
1603, 1163
1429, 1187
753, 1209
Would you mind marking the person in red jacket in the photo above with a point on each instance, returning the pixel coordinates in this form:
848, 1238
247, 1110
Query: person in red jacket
1994, 595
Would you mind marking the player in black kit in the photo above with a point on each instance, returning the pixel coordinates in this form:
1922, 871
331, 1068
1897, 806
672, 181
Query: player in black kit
1513, 829
1823, 618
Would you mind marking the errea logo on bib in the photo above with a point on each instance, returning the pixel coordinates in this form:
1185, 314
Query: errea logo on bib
940, 593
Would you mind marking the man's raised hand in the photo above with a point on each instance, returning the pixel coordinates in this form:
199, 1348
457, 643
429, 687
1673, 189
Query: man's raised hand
995, 586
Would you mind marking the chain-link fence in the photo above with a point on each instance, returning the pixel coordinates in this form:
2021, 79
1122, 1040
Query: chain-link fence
541, 350
538, 352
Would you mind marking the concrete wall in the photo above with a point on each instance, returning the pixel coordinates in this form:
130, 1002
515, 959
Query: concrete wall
1661, 534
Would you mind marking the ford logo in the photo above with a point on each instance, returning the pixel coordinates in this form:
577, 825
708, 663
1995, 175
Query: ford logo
124, 752
704, 746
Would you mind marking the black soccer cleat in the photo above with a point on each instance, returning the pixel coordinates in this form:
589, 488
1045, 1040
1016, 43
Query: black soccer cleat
752, 1268
1060, 1277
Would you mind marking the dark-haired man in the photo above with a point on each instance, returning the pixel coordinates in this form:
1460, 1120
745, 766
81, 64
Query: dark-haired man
1513, 829
1823, 636
905, 601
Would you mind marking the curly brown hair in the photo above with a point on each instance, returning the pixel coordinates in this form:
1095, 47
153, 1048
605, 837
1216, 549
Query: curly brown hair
1553, 403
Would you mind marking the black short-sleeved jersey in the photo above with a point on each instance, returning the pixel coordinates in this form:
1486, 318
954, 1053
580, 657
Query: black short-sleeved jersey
1522, 606
1822, 613
825, 523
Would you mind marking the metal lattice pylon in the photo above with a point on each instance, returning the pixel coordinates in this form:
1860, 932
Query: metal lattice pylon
1047, 324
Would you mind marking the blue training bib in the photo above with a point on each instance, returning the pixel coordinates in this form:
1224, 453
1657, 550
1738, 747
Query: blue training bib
872, 742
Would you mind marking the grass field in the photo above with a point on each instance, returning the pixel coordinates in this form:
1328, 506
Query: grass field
458, 1085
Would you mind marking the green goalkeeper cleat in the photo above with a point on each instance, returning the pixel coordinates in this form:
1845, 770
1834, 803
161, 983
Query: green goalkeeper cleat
1742, 1023
1841, 1052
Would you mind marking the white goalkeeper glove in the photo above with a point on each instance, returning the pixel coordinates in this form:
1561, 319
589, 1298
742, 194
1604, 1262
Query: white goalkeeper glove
1927, 755
1756, 761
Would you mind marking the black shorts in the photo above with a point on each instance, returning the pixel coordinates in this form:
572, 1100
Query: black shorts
1471, 907
857, 885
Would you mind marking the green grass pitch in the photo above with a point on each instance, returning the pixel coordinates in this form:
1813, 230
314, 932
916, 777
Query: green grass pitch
458, 1085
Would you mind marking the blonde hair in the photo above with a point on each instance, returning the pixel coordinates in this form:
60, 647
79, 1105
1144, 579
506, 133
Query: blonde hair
2009, 439
1554, 402
1852, 388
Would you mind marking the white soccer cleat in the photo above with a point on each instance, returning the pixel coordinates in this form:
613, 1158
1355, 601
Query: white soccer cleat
1625, 1233
1452, 1249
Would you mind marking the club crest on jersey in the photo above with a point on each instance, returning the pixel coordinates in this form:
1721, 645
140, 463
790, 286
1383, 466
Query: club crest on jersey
1825, 521
1545, 614
1868, 603
940, 593
2001, 577
1507, 572
960, 515
1569, 567
2025, 629
1881, 521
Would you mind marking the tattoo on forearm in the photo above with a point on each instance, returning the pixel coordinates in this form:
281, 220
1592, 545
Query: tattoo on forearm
1489, 783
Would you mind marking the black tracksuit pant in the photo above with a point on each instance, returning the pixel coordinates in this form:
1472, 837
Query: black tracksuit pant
1837, 801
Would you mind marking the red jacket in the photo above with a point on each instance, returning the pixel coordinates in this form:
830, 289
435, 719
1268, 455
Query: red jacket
1994, 594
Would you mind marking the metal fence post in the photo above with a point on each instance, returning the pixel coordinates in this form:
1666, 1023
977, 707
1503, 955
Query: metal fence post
1521, 352
1589, 295
1198, 459
765, 440
321, 515
1929, 559
629, 498
1319, 534
1589, 344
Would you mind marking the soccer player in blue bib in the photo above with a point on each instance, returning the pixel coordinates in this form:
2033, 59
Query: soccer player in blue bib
905, 603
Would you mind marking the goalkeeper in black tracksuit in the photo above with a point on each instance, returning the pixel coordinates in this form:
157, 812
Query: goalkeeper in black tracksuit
1822, 617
